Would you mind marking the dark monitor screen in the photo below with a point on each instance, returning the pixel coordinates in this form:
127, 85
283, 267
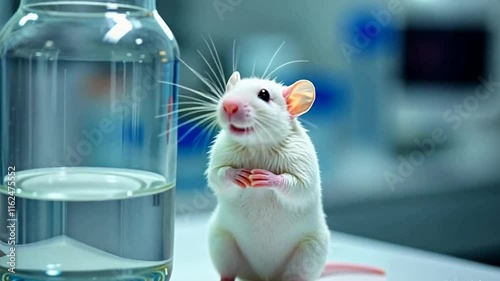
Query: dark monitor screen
441, 56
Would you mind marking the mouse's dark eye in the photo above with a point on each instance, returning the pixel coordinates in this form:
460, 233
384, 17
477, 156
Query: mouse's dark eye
264, 95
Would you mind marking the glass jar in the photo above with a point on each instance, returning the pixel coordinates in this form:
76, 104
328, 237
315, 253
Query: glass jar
88, 141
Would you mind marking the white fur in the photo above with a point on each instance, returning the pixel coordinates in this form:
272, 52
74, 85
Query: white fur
268, 233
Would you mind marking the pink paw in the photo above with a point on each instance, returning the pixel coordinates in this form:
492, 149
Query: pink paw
264, 178
239, 176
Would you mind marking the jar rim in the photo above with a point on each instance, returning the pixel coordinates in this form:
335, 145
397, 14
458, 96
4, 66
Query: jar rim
108, 7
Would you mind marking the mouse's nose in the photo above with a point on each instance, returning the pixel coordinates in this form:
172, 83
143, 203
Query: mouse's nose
230, 107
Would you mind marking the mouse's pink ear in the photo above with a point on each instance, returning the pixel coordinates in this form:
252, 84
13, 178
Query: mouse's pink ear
235, 78
299, 97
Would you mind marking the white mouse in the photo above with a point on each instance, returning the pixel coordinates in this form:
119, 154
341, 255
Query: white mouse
269, 222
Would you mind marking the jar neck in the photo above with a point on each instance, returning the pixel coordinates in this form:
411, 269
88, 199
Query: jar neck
146, 4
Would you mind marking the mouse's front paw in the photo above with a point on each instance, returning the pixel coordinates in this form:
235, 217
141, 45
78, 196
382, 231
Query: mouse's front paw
264, 178
238, 176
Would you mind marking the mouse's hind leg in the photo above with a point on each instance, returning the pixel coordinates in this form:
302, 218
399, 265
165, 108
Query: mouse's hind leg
308, 260
226, 255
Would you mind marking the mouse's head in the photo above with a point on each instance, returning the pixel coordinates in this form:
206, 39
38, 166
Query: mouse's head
259, 111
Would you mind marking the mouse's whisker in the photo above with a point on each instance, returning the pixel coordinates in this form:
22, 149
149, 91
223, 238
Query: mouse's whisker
200, 135
219, 85
196, 125
190, 98
191, 108
216, 59
199, 76
200, 93
200, 103
201, 108
253, 68
185, 115
237, 60
213, 127
210, 79
272, 59
211, 132
283, 65
197, 118
217, 56
206, 133
234, 51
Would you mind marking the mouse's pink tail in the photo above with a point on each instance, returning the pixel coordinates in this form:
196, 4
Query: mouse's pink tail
335, 268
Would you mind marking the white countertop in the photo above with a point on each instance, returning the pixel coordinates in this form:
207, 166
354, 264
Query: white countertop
192, 261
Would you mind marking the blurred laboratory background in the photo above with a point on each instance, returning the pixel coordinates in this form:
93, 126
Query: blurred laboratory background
407, 117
